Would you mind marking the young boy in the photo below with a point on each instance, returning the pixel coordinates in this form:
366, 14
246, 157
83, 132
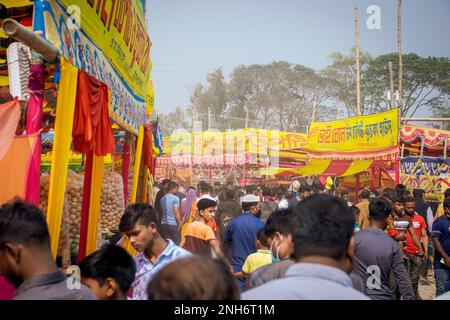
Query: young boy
258, 259
108, 272
200, 237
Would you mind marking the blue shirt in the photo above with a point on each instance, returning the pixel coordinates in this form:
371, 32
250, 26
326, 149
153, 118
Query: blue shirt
308, 281
168, 203
145, 270
441, 230
240, 236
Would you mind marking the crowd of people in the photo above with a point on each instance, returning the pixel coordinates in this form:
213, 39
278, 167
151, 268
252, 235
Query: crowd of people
226, 242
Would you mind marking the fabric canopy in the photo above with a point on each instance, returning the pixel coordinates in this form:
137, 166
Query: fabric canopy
431, 137
357, 166
9, 118
314, 168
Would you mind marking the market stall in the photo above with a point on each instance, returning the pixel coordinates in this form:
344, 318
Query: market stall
98, 65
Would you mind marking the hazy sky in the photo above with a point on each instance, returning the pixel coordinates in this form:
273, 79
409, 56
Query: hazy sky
193, 37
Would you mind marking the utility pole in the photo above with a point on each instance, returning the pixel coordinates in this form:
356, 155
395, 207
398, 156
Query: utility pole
313, 116
209, 119
358, 75
391, 86
400, 55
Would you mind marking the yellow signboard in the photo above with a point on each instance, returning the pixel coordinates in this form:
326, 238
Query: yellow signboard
363, 134
107, 39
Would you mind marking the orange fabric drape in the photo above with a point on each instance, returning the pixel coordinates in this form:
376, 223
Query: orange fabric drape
9, 118
92, 125
14, 168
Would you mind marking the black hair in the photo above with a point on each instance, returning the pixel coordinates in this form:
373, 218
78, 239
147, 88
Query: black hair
267, 192
247, 205
365, 194
203, 204
194, 278
138, 213
447, 193
409, 199
203, 187
397, 198
23, 223
172, 185
228, 194
324, 225
280, 221
355, 210
389, 194
343, 193
418, 193
262, 237
379, 209
110, 262
249, 189
305, 189
400, 189
446, 203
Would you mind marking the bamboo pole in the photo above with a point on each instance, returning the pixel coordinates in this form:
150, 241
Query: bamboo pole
391, 85
358, 75
400, 55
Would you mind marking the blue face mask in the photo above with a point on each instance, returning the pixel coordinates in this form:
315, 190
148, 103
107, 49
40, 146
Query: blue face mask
276, 258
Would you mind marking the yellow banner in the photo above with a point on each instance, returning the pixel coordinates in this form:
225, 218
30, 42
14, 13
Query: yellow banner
357, 134
108, 39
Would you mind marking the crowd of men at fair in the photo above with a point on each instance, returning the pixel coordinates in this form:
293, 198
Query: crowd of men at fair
224, 242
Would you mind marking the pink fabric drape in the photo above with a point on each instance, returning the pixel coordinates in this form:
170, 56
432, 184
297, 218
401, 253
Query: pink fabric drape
36, 86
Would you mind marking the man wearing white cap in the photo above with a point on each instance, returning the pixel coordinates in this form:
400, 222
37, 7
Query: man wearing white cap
240, 234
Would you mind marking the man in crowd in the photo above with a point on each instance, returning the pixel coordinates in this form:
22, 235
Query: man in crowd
161, 193
26, 259
227, 210
423, 208
194, 278
363, 207
441, 241
440, 210
323, 244
268, 204
416, 254
302, 193
240, 234
377, 255
140, 225
199, 237
108, 272
171, 214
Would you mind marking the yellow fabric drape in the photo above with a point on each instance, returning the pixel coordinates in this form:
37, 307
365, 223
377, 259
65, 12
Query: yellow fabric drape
313, 168
137, 164
94, 207
357, 166
61, 149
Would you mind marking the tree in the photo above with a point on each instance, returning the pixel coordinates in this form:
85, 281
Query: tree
424, 81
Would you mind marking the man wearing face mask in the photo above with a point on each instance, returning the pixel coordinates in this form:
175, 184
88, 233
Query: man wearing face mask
323, 244
240, 234
441, 242
278, 230
26, 260
416, 256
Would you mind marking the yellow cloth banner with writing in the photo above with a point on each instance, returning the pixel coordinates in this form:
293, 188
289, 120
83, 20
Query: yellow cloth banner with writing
357, 134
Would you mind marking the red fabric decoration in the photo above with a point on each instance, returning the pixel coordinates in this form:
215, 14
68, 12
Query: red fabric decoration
147, 148
92, 125
85, 207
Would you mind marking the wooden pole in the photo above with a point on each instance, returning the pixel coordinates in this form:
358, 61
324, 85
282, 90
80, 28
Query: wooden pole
422, 145
358, 75
400, 55
424, 119
391, 86
313, 116
445, 148
402, 151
